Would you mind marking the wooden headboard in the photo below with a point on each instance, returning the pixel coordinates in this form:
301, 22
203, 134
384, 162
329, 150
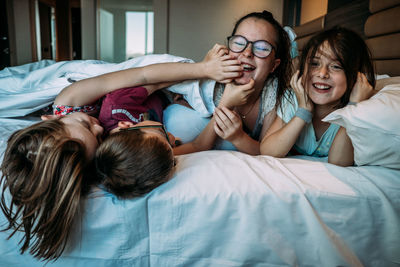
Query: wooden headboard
378, 22
382, 30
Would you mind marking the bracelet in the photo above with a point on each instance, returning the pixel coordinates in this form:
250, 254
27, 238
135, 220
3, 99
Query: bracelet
351, 103
304, 114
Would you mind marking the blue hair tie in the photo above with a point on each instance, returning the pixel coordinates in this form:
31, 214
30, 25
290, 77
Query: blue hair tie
294, 52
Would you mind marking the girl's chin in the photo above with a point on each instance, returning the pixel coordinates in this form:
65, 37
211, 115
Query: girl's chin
243, 80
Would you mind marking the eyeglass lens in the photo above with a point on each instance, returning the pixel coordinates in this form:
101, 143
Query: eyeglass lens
260, 48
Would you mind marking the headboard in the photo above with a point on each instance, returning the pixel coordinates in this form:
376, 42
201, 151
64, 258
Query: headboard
382, 30
305, 31
378, 23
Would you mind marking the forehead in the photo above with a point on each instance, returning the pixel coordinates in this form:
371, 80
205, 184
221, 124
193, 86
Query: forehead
257, 29
325, 51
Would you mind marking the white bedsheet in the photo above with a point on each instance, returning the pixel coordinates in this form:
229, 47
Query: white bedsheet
230, 209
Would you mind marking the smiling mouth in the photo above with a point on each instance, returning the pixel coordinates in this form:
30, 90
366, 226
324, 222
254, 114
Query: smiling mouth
323, 87
247, 67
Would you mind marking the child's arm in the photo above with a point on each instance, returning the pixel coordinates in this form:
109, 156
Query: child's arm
217, 65
386, 81
342, 152
206, 139
281, 137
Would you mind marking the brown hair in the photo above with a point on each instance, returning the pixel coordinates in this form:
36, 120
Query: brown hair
131, 163
350, 51
284, 71
43, 171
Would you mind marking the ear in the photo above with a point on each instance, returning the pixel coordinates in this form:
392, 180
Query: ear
125, 124
276, 64
48, 117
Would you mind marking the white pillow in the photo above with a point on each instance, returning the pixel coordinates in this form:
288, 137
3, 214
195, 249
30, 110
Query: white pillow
373, 126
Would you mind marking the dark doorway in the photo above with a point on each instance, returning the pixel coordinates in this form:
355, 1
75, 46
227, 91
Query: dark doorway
45, 30
4, 37
76, 33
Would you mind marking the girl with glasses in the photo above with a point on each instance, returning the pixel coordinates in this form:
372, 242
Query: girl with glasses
48, 167
246, 107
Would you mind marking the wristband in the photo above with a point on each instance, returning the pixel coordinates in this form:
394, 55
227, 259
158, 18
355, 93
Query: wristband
304, 114
351, 103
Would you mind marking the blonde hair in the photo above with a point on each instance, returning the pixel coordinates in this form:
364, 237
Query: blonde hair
131, 163
43, 170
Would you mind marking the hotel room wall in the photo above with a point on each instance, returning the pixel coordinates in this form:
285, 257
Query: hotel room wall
22, 49
191, 28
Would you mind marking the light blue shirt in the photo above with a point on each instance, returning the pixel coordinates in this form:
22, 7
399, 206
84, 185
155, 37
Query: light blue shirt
307, 143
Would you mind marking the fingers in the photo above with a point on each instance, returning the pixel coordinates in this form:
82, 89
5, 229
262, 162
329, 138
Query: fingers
218, 131
225, 117
296, 82
248, 86
294, 78
220, 50
219, 125
227, 123
231, 61
300, 83
223, 52
226, 81
363, 78
231, 115
220, 118
362, 89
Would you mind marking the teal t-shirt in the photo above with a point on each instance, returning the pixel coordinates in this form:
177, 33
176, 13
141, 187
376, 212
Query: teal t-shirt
307, 143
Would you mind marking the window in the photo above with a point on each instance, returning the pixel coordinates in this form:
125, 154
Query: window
139, 33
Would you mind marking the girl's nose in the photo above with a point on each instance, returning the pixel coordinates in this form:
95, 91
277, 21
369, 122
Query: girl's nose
248, 51
323, 72
98, 129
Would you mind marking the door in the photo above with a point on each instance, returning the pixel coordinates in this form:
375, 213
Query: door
4, 39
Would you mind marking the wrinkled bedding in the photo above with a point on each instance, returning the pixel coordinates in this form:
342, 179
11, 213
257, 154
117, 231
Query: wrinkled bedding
225, 208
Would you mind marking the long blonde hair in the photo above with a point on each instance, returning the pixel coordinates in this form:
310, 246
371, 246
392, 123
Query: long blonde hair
43, 170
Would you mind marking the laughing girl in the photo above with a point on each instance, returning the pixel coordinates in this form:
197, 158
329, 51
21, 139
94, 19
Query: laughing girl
335, 70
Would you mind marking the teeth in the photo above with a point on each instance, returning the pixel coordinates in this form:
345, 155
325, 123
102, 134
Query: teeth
248, 67
323, 87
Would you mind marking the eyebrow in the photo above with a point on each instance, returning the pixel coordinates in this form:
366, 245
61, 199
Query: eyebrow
85, 124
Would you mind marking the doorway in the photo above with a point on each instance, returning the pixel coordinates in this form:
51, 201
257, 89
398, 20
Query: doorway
4, 37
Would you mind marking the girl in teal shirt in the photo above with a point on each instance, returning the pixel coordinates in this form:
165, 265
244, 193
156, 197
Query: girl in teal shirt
335, 70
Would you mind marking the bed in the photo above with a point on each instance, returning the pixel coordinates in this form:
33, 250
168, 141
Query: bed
226, 208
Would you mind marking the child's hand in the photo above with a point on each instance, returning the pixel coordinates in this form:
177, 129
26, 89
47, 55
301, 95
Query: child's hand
220, 66
302, 98
236, 95
362, 90
228, 124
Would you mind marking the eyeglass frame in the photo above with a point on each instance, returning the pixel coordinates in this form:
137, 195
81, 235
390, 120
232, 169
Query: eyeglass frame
252, 45
149, 126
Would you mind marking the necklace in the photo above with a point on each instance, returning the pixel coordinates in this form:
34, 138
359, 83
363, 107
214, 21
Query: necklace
248, 112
